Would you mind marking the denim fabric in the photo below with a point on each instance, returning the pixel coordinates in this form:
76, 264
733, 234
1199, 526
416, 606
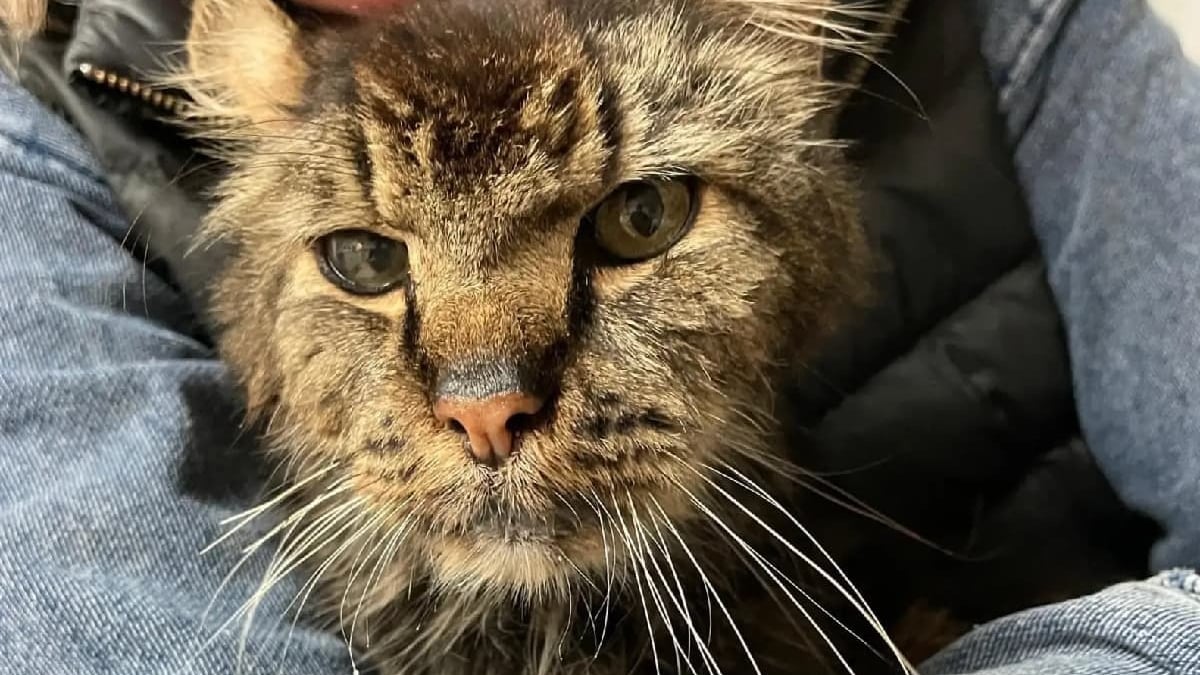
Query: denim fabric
120, 454
1142, 628
1104, 112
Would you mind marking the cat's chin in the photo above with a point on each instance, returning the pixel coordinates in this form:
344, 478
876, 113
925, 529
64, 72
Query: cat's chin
526, 564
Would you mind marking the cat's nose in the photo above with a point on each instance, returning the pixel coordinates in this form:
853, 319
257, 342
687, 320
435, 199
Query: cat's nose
490, 423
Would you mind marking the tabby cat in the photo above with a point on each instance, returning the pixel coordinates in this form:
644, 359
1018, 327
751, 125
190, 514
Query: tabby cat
510, 284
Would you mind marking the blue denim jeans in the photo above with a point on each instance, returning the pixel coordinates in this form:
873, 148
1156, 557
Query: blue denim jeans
1105, 114
120, 453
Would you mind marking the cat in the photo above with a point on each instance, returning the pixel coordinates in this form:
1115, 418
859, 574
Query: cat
510, 282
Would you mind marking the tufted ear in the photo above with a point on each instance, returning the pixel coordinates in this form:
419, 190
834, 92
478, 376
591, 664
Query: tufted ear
831, 33
244, 61
22, 18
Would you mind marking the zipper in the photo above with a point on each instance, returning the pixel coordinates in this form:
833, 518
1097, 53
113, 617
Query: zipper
172, 104
112, 81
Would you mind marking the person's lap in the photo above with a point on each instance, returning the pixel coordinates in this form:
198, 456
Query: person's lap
1104, 109
117, 444
1104, 113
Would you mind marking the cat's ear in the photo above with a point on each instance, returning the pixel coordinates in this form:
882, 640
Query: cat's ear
244, 60
22, 19
832, 37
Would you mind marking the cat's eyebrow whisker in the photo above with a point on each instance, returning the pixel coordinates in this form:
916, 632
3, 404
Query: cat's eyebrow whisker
708, 585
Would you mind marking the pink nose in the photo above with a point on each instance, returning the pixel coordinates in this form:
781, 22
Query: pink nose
489, 423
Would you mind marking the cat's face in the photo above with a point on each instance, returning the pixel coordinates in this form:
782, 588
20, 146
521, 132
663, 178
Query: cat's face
516, 273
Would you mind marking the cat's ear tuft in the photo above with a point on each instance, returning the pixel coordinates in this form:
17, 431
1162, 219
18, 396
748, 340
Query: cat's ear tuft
821, 28
244, 61
22, 19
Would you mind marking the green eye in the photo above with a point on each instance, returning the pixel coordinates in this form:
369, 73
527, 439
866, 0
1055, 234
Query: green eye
641, 219
362, 262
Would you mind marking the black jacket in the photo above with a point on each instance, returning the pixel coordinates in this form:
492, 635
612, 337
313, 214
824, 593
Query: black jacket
948, 407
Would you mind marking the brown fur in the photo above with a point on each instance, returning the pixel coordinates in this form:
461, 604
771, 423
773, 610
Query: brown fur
480, 133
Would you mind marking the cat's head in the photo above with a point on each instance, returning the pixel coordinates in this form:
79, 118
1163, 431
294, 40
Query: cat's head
514, 274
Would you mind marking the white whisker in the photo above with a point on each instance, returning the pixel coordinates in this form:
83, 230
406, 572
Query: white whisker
712, 590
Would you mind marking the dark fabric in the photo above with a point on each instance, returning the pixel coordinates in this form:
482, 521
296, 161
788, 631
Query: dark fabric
949, 407
138, 37
946, 407
155, 174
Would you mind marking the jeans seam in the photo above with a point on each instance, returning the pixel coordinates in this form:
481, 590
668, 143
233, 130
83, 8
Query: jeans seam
1044, 20
37, 150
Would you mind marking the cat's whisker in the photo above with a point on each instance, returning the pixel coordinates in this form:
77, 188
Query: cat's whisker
608, 571
826, 489
311, 583
678, 601
751, 566
334, 491
706, 655
628, 542
272, 576
710, 588
852, 596
245, 517
778, 578
661, 542
394, 541
360, 562
570, 507
731, 473
290, 524
641, 552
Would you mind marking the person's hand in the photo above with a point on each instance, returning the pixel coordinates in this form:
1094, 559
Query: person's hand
353, 7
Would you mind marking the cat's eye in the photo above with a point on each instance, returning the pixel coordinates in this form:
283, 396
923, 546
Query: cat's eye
363, 262
641, 219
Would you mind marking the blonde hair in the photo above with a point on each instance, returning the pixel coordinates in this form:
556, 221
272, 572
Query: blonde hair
23, 18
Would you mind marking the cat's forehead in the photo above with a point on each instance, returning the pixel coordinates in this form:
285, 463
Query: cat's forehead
483, 106
518, 110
